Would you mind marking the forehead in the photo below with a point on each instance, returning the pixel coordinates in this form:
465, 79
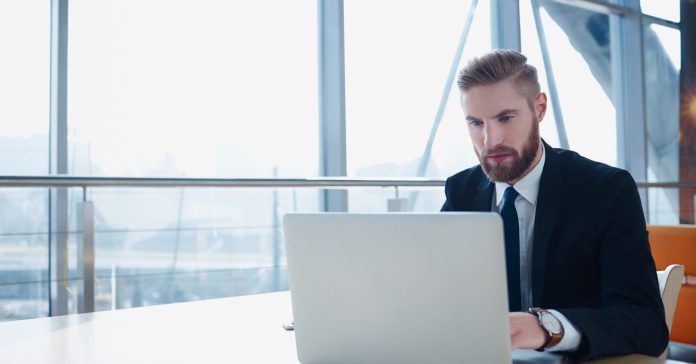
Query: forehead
488, 100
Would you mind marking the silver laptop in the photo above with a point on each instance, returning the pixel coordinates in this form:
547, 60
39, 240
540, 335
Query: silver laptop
398, 288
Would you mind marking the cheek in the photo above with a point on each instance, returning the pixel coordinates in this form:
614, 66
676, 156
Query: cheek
476, 136
520, 135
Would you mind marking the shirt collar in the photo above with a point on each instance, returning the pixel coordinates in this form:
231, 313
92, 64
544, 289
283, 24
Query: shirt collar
528, 186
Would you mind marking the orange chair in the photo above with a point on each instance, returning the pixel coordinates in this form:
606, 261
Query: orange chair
670, 281
677, 244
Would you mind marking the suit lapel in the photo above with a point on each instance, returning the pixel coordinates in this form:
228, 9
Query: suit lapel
484, 195
549, 203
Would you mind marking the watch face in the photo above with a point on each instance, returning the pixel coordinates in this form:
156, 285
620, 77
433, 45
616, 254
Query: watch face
551, 323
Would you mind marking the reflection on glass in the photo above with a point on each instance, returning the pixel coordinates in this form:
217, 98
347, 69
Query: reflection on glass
398, 56
662, 55
579, 49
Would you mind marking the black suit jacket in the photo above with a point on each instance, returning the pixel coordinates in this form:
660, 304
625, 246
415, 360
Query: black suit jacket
591, 259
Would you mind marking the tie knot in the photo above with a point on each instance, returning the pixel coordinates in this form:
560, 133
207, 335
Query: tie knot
510, 194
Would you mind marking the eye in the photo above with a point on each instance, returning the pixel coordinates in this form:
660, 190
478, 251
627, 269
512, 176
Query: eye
474, 122
505, 118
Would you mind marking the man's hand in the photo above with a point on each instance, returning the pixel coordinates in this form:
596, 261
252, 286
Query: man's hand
525, 331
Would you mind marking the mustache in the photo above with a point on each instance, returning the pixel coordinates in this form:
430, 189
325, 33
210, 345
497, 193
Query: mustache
498, 150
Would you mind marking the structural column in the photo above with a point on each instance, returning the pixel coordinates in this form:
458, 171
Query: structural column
332, 101
505, 24
687, 124
58, 149
628, 82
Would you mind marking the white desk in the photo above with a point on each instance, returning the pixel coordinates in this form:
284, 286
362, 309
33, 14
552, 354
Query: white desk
229, 330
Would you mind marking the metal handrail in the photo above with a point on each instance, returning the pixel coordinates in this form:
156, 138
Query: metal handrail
91, 181
85, 214
666, 184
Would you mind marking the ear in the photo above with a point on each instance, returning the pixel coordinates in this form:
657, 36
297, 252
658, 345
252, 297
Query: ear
540, 105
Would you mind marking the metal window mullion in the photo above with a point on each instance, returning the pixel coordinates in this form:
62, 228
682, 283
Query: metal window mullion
628, 85
550, 78
659, 21
58, 156
449, 82
85, 256
595, 6
332, 104
505, 24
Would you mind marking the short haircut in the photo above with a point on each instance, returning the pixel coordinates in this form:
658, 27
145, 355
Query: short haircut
501, 65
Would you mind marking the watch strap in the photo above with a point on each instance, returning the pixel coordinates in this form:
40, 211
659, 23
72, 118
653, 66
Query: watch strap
552, 339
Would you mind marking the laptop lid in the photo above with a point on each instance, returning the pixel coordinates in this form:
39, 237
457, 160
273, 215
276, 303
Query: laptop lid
398, 287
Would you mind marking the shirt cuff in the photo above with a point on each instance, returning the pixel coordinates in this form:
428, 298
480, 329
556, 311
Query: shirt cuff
571, 335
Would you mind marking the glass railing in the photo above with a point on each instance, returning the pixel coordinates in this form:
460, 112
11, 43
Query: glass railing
133, 242
669, 203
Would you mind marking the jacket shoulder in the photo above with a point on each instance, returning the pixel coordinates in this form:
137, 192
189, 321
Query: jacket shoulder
470, 174
582, 171
461, 188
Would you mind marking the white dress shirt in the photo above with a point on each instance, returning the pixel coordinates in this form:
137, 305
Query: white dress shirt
525, 204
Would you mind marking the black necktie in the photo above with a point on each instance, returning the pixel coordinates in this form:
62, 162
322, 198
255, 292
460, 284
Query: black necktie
512, 248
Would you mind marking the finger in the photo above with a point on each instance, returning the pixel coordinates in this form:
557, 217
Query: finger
515, 342
514, 329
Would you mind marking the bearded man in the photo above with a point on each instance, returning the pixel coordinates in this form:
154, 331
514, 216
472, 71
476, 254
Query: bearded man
581, 278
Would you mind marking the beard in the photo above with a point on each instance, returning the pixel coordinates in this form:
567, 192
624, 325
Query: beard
519, 161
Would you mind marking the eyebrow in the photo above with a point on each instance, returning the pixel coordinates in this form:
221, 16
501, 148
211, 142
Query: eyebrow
507, 111
498, 115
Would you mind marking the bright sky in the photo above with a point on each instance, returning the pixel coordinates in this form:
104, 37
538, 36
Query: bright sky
24, 68
230, 89
222, 88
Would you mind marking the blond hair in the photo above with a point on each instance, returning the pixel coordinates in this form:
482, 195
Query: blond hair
501, 65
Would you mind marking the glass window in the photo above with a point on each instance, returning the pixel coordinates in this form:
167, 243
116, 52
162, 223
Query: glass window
219, 89
24, 106
24, 90
23, 253
155, 246
398, 57
662, 62
665, 9
578, 46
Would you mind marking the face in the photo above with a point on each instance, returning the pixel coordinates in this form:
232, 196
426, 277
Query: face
504, 129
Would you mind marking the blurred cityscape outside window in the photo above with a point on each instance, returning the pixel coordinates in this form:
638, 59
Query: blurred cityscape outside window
24, 93
226, 89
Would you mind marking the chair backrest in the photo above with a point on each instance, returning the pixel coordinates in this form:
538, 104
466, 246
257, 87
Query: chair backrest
677, 245
670, 281
674, 244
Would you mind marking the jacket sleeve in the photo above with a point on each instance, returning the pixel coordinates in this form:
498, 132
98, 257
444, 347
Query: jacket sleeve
631, 317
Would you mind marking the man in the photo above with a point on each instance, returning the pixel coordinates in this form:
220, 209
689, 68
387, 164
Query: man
581, 278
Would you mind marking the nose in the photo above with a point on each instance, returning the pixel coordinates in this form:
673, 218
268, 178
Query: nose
492, 135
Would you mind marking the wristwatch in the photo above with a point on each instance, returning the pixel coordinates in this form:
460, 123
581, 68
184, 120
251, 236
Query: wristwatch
551, 325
